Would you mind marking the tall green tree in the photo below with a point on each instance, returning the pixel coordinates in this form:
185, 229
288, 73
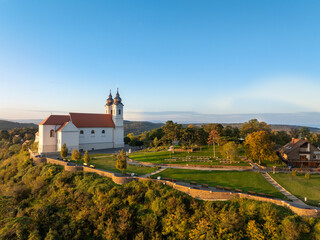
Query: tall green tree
172, 132
121, 163
64, 151
76, 155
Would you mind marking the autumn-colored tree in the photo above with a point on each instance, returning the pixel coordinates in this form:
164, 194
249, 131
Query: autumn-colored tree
76, 155
253, 125
258, 146
64, 151
121, 161
155, 142
230, 151
86, 157
213, 136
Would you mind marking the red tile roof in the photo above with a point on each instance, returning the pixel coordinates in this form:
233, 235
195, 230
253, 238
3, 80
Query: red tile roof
62, 126
55, 120
87, 120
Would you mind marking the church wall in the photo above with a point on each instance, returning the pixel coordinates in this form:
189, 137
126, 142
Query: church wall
98, 140
47, 143
71, 139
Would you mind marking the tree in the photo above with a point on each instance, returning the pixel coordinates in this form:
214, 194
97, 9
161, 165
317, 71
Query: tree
76, 155
172, 132
294, 133
86, 157
4, 134
130, 135
253, 125
304, 132
121, 161
280, 137
258, 146
16, 140
230, 151
307, 176
64, 151
126, 140
155, 142
213, 136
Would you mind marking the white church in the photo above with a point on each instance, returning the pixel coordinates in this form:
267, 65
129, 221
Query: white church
83, 131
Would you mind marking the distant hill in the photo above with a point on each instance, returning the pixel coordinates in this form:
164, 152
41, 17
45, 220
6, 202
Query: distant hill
8, 125
138, 127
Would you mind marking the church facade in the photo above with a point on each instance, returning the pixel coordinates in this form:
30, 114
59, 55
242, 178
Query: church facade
83, 131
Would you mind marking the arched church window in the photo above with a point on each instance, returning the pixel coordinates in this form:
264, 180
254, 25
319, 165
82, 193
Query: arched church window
81, 131
51, 133
103, 131
92, 131
119, 111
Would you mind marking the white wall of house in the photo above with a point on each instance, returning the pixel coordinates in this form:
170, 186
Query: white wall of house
98, 140
47, 143
118, 137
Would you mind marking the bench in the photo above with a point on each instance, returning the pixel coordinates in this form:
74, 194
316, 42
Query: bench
205, 185
193, 183
238, 190
228, 188
261, 194
219, 187
92, 166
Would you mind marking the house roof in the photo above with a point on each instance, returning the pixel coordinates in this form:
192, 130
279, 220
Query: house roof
55, 120
86, 120
293, 144
62, 126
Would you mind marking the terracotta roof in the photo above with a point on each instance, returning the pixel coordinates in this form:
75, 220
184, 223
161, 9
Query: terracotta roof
87, 120
62, 126
55, 120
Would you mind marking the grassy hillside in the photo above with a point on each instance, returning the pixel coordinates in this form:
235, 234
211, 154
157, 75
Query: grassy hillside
45, 202
8, 125
139, 127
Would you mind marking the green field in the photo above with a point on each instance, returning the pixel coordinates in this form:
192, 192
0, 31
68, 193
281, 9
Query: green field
159, 157
106, 162
246, 181
300, 186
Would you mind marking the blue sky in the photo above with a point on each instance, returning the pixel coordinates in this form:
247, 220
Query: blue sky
168, 58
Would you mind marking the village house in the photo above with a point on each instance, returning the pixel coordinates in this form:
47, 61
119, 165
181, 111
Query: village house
300, 153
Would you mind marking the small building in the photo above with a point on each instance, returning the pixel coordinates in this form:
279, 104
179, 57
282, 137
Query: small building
300, 153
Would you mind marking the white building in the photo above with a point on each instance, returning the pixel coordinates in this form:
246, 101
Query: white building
83, 131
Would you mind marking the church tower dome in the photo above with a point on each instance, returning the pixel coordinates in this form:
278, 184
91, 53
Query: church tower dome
109, 100
117, 99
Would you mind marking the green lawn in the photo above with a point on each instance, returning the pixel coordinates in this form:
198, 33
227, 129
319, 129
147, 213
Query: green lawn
159, 157
300, 186
246, 181
107, 162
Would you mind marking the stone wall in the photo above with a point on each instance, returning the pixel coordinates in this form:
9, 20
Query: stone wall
57, 162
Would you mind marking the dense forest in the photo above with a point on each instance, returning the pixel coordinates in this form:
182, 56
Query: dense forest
137, 127
46, 202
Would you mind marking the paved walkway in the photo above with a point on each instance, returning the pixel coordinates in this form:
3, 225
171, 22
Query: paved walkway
284, 191
153, 173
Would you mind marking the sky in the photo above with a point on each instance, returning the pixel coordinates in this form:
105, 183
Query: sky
187, 61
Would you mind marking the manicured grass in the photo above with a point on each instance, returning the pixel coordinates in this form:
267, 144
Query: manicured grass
300, 186
246, 181
107, 162
159, 157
